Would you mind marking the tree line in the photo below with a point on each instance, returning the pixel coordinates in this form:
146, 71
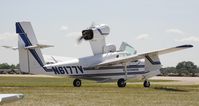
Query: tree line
184, 68
7, 66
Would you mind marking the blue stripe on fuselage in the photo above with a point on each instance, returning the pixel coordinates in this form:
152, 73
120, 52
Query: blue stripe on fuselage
114, 67
99, 30
110, 74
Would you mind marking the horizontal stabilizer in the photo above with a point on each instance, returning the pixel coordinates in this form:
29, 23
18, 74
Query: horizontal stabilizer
38, 46
10, 47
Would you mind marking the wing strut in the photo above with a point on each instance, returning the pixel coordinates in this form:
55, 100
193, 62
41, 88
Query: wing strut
125, 70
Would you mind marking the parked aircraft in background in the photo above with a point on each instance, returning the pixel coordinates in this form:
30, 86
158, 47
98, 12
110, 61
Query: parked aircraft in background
107, 63
7, 98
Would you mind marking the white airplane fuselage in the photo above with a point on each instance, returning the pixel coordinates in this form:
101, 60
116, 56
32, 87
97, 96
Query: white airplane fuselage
80, 68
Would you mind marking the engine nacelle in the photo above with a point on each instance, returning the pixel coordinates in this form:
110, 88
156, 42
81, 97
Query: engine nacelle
96, 32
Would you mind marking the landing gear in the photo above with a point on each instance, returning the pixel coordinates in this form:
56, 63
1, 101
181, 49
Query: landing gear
121, 83
77, 83
146, 84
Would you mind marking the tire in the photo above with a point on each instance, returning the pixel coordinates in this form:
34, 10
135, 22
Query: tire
146, 84
77, 83
121, 83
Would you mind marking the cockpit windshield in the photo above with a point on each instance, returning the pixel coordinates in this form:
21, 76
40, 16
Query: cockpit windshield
127, 48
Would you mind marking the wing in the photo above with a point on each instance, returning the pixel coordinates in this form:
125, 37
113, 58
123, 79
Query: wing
127, 59
5, 98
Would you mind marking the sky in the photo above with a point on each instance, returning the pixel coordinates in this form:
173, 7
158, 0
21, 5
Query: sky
147, 25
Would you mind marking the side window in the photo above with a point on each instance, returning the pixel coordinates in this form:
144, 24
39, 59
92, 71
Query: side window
130, 50
127, 48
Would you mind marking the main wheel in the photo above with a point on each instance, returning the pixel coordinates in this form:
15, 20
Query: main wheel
77, 83
121, 83
146, 84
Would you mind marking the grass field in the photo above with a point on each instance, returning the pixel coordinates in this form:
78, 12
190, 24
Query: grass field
41, 91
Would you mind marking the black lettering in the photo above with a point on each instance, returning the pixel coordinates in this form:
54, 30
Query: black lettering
65, 70
61, 70
55, 70
80, 69
70, 69
75, 69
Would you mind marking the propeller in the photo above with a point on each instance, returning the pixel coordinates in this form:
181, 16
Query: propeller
87, 34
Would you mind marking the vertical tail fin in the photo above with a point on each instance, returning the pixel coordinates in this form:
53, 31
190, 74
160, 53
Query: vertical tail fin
30, 59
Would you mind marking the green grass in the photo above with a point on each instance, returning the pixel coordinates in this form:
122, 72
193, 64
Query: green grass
59, 91
10, 81
132, 80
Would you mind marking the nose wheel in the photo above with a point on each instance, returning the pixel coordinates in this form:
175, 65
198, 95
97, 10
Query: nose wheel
77, 83
121, 83
146, 84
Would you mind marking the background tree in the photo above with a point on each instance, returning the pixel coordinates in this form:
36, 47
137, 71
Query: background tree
4, 66
12, 66
17, 66
168, 70
7, 66
186, 67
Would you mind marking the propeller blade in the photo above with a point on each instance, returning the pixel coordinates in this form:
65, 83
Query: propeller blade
80, 39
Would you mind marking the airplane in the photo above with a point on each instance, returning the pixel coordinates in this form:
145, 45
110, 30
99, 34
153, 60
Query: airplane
7, 98
107, 64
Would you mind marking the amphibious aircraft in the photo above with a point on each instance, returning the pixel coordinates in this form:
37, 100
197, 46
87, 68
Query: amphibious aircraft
107, 64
